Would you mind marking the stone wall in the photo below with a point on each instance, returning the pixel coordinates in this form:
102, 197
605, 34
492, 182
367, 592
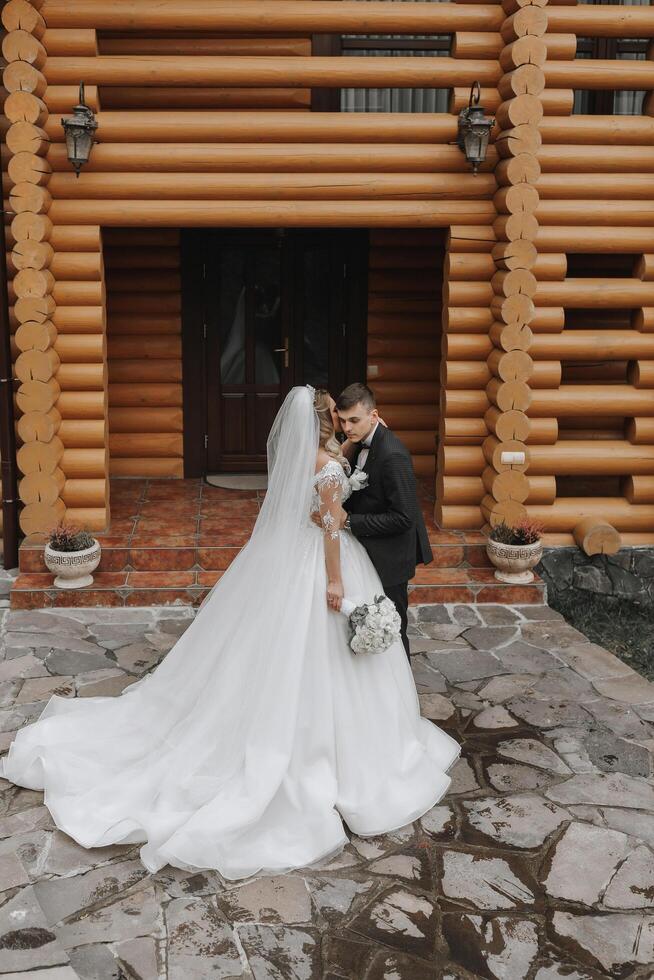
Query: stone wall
627, 574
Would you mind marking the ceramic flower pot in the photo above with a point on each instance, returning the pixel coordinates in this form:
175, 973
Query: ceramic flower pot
73, 568
513, 562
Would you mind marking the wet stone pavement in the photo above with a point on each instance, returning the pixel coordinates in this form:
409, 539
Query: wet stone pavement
538, 864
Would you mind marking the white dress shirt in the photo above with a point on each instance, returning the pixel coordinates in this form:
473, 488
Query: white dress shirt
363, 455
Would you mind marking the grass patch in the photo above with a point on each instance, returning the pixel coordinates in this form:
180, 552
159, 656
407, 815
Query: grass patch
622, 626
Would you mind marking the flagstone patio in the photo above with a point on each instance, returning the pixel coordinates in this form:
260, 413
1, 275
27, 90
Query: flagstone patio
537, 865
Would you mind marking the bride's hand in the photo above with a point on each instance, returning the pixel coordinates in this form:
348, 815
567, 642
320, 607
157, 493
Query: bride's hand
334, 595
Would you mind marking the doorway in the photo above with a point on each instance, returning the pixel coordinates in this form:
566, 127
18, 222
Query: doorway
264, 310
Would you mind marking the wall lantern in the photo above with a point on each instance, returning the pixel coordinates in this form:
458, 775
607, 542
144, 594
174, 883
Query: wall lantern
474, 129
79, 129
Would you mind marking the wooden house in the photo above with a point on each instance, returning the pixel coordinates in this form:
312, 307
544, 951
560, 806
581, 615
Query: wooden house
276, 196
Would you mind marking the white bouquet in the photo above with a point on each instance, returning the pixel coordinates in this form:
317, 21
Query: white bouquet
374, 626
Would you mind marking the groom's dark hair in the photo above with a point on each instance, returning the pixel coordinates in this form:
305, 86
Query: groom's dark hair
354, 395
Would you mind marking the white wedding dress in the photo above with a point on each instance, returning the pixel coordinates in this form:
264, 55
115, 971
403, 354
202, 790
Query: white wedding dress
260, 731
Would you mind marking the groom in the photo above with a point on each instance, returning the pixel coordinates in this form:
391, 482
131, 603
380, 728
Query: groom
385, 515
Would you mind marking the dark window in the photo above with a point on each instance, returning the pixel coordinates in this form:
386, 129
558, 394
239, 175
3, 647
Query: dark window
395, 99
629, 103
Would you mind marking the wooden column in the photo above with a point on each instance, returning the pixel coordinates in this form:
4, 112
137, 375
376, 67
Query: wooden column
513, 282
59, 302
41, 449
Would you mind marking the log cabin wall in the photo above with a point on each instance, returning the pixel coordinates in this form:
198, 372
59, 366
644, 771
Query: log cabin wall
514, 371
144, 350
404, 337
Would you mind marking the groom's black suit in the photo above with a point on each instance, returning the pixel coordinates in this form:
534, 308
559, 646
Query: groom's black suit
385, 516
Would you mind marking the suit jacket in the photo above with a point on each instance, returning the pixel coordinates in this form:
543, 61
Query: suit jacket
385, 515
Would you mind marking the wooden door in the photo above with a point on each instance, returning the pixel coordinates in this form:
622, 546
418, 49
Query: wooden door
277, 308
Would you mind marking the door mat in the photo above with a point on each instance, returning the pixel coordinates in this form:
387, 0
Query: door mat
238, 481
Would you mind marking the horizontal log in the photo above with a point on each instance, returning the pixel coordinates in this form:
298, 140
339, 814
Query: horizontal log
464, 404
644, 268
572, 238
593, 345
77, 265
283, 186
142, 372
62, 98
72, 41
610, 131
461, 517
582, 400
640, 431
555, 160
80, 238
282, 157
268, 214
608, 213
80, 348
204, 97
323, 16
641, 374
85, 492
403, 346
192, 46
595, 293
147, 467
588, 458
566, 512
402, 369
145, 419
151, 444
79, 319
464, 431
409, 416
149, 395
83, 463
590, 185
81, 377
81, 404
639, 489
601, 22
467, 319
402, 393
119, 324
83, 433
461, 461
191, 126
144, 347
323, 72
598, 74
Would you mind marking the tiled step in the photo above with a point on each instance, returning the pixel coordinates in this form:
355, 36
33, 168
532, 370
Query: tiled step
170, 540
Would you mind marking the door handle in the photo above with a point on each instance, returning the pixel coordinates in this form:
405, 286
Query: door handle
284, 351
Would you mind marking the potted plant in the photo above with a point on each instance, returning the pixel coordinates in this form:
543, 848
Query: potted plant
71, 554
515, 550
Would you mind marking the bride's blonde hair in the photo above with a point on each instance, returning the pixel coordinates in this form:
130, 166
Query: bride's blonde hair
327, 438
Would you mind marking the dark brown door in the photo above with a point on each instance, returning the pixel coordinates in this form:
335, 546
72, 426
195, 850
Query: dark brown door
278, 308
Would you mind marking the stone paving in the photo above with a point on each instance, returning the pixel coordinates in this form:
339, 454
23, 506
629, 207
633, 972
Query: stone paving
537, 865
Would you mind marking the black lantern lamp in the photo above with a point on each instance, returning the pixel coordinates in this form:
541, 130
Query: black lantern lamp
474, 129
79, 129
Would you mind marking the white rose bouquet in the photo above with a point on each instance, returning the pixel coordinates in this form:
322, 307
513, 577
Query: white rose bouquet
374, 626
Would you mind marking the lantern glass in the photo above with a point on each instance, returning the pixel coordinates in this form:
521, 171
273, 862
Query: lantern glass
78, 144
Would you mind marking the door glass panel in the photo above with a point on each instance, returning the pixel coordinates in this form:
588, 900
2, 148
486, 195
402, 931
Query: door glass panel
267, 316
315, 306
231, 315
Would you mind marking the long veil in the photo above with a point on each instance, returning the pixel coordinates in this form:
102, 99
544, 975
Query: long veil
202, 740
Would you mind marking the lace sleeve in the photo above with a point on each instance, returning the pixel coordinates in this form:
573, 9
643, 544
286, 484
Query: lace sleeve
330, 495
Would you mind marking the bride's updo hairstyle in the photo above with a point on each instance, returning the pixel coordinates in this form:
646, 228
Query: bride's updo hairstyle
327, 438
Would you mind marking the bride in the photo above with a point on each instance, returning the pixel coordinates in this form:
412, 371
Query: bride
260, 732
